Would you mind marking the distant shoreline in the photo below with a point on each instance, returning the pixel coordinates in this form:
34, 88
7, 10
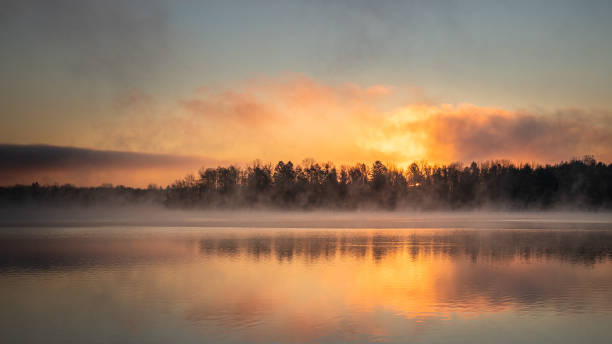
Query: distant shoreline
583, 184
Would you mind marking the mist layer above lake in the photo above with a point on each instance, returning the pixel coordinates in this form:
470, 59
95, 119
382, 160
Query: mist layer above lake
191, 284
153, 216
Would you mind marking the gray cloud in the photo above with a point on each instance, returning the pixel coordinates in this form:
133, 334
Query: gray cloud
26, 157
366, 32
28, 163
116, 41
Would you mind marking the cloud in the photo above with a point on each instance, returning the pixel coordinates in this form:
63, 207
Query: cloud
48, 164
467, 132
267, 119
115, 41
297, 117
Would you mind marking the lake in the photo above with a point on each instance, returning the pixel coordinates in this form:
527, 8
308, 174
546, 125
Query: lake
533, 280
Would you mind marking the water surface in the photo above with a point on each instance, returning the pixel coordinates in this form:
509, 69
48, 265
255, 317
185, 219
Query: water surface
145, 284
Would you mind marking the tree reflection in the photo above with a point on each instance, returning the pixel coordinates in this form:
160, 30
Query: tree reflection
584, 247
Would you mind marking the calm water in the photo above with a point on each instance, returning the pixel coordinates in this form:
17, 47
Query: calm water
217, 285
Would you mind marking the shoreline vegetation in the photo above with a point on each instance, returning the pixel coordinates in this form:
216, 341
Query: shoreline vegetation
581, 184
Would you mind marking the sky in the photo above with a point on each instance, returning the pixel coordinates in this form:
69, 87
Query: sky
183, 84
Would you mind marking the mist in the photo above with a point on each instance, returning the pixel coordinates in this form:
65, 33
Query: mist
20, 218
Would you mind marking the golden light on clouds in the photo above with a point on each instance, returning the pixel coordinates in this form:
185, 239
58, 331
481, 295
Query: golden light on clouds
298, 118
467, 132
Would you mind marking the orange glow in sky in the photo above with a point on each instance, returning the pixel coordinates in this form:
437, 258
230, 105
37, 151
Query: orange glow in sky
296, 118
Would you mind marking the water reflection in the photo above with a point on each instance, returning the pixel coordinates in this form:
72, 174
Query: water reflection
583, 247
262, 285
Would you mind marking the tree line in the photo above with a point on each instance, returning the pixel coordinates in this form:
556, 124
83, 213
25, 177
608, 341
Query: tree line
579, 183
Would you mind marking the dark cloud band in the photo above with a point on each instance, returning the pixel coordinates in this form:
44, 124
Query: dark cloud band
45, 157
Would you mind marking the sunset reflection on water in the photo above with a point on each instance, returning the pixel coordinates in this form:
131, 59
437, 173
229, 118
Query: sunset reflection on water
305, 285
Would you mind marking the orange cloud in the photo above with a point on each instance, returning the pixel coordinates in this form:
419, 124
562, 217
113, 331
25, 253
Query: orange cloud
266, 119
467, 132
297, 118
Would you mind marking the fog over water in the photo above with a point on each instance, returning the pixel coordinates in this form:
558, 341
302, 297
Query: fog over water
160, 216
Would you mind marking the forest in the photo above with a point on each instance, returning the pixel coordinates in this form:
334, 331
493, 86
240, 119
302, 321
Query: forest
583, 184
